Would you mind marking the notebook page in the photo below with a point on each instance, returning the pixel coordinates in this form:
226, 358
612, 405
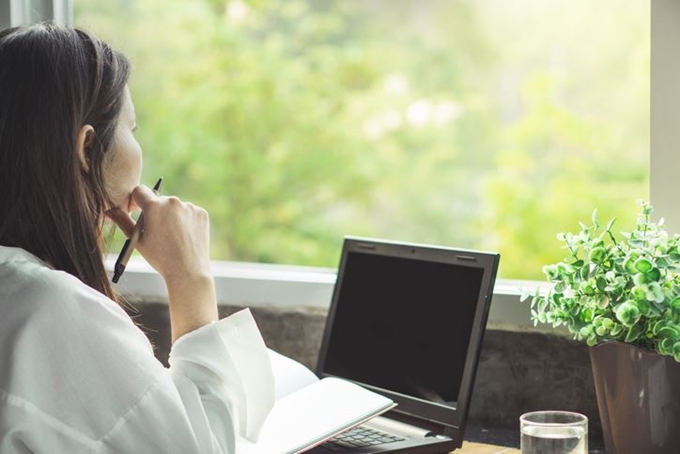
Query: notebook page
314, 414
289, 375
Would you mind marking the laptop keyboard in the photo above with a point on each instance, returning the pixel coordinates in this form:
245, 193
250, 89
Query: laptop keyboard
359, 437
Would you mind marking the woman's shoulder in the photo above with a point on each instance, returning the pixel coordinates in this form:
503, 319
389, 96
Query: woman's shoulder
33, 294
46, 313
69, 351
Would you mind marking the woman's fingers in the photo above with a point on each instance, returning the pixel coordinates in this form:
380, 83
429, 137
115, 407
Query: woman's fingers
143, 195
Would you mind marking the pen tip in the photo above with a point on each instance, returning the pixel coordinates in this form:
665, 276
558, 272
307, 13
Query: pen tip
157, 186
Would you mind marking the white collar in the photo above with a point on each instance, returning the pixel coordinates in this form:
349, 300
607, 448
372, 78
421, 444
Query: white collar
16, 254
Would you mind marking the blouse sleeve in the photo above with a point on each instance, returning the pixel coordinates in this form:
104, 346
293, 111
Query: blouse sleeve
80, 377
219, 386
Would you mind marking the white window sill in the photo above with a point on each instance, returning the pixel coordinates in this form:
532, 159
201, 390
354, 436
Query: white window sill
258, 285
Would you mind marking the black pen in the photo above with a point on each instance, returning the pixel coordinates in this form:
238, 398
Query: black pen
131, 242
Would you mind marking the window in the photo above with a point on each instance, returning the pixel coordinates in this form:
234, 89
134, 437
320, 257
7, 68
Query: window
482, 124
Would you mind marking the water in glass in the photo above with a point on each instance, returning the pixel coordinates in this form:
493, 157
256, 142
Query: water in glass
554, 440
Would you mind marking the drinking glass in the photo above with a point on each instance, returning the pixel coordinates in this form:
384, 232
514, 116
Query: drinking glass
554, 432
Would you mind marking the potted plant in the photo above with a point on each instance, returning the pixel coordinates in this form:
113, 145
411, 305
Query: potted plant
621, 295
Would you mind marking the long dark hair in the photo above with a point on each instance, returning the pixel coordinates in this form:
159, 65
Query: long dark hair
53, 81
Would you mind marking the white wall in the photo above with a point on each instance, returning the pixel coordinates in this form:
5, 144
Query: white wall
665, 107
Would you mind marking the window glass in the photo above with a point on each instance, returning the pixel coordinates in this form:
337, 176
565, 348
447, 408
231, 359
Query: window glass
487, 124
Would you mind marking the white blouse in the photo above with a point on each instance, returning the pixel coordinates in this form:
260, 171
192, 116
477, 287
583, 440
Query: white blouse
78, 376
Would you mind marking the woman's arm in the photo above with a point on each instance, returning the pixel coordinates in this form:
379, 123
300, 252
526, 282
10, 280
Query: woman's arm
81, 377
176, 243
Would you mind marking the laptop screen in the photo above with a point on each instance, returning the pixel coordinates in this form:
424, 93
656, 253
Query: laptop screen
402, 319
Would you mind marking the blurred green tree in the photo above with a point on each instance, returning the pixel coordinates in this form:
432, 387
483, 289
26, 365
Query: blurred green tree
295, 122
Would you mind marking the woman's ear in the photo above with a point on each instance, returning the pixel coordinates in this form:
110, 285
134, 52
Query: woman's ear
85, 137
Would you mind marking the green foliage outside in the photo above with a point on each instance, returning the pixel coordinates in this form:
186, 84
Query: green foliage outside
616, 287
450, 122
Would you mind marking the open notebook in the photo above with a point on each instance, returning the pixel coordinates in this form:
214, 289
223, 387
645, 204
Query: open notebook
309, 411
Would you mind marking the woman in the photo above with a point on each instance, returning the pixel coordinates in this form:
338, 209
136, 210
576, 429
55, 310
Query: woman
76, 374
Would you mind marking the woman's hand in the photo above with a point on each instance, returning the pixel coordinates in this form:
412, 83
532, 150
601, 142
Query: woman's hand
175, 240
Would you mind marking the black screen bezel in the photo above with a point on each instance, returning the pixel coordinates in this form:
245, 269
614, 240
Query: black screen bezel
487, 261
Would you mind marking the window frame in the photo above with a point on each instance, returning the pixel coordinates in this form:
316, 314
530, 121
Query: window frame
18, 12
288, 286
256, 284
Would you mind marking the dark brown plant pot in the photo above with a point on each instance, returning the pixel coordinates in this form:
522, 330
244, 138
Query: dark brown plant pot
638, 396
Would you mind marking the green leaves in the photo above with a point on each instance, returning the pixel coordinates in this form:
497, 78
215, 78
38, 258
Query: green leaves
624, 289
675, 304
598, 255
628, 314
643, 265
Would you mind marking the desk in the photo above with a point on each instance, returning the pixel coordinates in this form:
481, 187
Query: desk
481, 448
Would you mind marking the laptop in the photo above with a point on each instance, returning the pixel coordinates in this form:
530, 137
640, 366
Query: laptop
407, 321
